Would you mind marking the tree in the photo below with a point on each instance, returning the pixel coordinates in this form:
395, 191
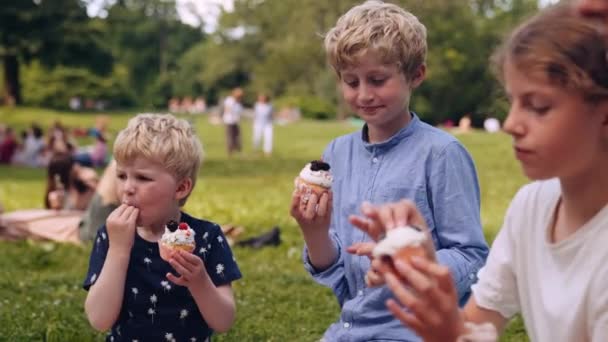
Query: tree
147, 37
55, 32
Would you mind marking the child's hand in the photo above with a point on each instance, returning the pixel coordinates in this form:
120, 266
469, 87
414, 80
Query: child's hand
314, 215
377, 220
374, 277
191, 269
430, 297
121, 226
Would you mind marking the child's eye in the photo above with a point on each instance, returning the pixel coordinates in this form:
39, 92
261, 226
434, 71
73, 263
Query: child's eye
143, 178
351, 84
541, 110
121, 176
377, 81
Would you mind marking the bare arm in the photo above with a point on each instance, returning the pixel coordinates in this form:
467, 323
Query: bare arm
104, 299
475, 314
216, 304
315, 228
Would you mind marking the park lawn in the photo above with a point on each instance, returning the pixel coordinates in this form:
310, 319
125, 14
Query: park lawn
40, 293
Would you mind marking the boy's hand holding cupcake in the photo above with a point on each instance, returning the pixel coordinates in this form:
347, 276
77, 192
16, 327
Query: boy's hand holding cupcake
311, 206
311, 203
175, 247
191, 269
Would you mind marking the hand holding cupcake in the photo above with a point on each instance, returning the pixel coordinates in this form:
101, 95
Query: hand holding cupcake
314, 178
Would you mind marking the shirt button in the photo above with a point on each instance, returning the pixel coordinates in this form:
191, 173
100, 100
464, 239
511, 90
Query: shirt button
374, 160
360, 293
471, 276
347, 325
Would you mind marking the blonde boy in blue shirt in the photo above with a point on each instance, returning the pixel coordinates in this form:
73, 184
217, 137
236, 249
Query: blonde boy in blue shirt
378, 51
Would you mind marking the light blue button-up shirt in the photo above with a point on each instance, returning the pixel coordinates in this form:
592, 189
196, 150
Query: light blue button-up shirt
420, 163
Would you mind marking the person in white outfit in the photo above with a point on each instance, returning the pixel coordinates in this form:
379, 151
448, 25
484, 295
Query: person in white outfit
262, 124
231, 117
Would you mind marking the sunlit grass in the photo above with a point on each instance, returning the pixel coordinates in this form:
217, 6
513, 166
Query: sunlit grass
40, 294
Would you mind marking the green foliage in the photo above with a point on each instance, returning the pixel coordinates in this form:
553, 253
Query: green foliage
310, 107
40, 293
147, 38
53, 32
53, 88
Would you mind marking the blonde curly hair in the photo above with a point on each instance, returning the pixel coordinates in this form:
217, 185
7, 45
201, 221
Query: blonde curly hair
164, 139
391, 33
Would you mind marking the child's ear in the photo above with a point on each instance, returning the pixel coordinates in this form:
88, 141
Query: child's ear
419, 76
184, 187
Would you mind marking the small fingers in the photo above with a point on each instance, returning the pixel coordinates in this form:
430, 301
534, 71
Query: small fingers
405, 317
295, 205
176, 280
323, 207
188, 259
311, 207
373, 279
361, 248
387, 217
179, 266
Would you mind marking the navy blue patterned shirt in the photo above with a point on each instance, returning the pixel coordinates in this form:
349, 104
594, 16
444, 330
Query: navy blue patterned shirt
154, 308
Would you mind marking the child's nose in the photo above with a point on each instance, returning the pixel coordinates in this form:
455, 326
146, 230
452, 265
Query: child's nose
513, 124
365, 94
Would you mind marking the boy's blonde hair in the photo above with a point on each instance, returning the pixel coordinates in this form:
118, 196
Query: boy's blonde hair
559, 47
164, 139
389, 32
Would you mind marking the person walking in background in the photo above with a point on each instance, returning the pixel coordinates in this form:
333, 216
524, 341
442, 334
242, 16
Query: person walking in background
231, 117
262, 124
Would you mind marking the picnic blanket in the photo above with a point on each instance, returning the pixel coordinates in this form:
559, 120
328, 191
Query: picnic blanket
41, 224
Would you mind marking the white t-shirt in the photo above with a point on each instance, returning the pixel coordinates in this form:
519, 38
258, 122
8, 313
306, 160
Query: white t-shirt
561, 288
263, 112
232, 111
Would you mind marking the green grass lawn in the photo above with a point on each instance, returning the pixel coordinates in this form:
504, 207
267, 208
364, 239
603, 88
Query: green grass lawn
40, 293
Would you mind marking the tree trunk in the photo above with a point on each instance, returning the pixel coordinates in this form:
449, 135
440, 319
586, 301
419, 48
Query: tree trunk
12, 87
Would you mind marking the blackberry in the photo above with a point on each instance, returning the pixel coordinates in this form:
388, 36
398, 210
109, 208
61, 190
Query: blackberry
172, 225
318, 165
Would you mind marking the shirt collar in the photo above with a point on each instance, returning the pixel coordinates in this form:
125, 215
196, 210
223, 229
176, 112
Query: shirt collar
392, 141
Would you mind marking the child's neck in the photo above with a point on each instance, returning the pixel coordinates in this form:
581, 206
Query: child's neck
380, 133
582, 198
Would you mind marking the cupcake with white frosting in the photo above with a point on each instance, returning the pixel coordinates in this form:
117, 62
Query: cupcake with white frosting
176, 236
401, 243
314, 178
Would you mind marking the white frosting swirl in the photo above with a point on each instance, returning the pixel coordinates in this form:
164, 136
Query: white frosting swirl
178, 237
320, 177
398, 238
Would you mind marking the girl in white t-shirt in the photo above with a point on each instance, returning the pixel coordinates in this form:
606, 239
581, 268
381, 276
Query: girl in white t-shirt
548, 262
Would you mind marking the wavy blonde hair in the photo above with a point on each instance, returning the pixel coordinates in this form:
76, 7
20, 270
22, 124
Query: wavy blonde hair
388, 31
164, 139
559, 47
